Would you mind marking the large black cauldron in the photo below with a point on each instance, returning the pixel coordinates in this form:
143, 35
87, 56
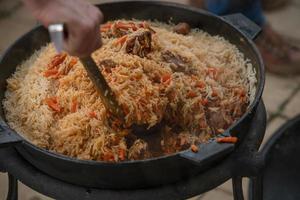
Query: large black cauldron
143, 173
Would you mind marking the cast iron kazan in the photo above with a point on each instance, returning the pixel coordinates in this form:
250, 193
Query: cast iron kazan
141, 173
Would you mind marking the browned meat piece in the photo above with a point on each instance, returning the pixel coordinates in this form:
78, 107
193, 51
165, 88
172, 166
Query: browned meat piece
178, 63
182, 28
139, 43
107, 65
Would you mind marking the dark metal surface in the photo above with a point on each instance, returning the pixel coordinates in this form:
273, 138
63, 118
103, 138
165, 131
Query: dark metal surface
155, 171
237, 184
12, 193
245, 25
281, 175
8, 137
200, 183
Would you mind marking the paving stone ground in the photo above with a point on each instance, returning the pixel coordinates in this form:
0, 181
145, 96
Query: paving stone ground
281, 94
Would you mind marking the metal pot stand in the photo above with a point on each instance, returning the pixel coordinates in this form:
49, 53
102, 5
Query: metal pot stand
281, 174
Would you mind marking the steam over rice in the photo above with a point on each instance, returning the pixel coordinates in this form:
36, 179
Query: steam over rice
197, 84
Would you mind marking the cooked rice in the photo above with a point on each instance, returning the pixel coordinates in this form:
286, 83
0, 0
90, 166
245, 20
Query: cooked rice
80, 127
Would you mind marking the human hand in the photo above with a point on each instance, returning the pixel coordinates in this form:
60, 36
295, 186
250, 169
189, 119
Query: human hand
81, 20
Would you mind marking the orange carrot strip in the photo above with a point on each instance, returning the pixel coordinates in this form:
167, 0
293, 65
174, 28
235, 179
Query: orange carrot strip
57, 60
214, 93
50, 72
227, 140
200, 84
126, 26
122, 154
108, 157
53, 104
204, 101
194, 148
121, 40
107, 25
191, 94
73, 62
74, 105
93, 114
104, 29
165, 77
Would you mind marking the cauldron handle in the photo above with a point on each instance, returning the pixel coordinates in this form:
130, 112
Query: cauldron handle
8, 137
237, 187
243, 24
255, 193
13, 188
251, 163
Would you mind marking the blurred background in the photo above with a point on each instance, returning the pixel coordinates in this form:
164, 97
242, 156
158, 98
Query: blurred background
281, 33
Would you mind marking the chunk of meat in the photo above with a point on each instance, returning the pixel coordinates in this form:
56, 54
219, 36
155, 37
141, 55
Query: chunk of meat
139, 43
182, 28
178, 63
107, 65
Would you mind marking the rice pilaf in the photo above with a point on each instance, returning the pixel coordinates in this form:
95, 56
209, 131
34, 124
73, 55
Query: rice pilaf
196, 83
